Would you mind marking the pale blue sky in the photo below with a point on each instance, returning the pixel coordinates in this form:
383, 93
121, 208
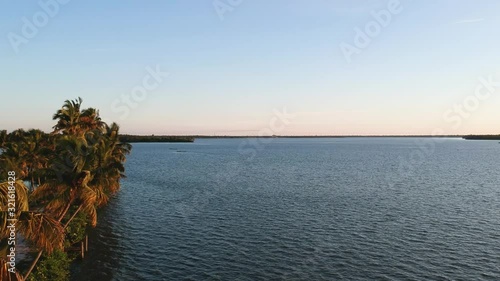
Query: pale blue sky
227, 76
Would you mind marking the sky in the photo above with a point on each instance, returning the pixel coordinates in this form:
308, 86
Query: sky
255, 67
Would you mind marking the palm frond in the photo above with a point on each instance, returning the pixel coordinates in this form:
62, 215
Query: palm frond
43, 231
6, 275
21, 204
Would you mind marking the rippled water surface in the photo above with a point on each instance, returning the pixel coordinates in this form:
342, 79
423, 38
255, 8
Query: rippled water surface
303, 209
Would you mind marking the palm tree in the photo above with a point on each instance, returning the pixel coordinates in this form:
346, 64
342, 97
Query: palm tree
27, 154
78, 167
73, 120
69, 182
68, 117
111, 156
37, 152
3, 138
66, 185
90, 120
14, 158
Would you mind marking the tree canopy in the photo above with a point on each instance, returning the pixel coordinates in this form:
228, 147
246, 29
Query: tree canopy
70, 172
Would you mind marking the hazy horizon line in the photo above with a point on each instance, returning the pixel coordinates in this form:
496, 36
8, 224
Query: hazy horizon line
306, 135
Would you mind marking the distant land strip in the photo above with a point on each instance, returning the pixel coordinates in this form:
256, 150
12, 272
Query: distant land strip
192, 138
153, 138
482, 137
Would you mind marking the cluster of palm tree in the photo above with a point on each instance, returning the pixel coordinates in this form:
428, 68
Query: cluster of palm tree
72, 171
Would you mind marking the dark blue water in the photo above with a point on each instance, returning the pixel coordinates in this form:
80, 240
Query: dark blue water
303, 209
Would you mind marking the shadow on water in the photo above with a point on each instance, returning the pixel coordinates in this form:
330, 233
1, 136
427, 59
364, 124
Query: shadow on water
102, 259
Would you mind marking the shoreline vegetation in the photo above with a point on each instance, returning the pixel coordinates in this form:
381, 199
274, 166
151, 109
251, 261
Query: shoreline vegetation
52, 186
153, 138
482, 137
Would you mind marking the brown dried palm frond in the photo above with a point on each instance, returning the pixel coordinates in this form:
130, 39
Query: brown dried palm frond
54, 197
21, 204
101, 197
43, 231
5, 275
88, 198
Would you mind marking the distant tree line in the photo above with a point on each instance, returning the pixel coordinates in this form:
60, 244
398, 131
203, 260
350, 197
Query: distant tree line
153, 138
482, 137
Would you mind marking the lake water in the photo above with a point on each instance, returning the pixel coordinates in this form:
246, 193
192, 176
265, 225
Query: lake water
303, 209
